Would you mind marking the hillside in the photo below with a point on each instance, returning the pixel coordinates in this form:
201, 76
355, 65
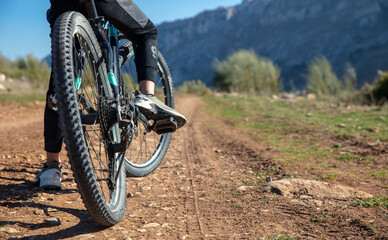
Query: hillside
290, 32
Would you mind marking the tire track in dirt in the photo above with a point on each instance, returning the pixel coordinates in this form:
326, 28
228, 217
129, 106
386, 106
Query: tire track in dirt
197, 210
191, 112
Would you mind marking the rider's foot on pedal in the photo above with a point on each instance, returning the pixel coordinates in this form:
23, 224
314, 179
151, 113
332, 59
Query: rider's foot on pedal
49, 177
154, 109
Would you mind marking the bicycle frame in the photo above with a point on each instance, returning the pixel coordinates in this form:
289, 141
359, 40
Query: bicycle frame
110, 48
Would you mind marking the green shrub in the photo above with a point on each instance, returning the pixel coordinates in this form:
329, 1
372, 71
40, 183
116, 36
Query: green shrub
376, 92
372, 202
325, 84
246, 72
30, 67
321, 80
195, 86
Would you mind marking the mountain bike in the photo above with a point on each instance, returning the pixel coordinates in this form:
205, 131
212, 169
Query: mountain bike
105, 134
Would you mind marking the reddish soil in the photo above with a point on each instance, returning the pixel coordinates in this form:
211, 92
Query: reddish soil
193, 194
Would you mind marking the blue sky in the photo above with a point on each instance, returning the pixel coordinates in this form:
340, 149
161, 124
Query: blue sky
24, 29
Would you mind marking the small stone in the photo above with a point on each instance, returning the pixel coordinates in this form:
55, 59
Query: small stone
244, 188
129, 195
311, 96
380, 118
68, 202
53, 221
309, 115
141, 230
9, 230
52, 209
209, 236
151, 225
374, 144
149, 205
146, 188
268, 179
217, 151
288, 96
38, 211
118, 228
341, 125
184, 188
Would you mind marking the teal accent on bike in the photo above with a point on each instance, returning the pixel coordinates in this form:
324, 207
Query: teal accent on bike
112, 79
113, 31
131, 54
78, 82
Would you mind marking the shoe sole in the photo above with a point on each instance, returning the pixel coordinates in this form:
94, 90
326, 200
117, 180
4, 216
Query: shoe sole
51, 187
150, 114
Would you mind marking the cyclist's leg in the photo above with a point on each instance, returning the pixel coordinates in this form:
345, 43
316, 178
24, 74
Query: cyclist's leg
129, 19
50, 175
52, 133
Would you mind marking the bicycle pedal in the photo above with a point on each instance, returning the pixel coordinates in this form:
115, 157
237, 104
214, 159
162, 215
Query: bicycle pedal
167, 125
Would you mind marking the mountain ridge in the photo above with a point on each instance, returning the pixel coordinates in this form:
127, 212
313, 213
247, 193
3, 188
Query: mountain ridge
290, 32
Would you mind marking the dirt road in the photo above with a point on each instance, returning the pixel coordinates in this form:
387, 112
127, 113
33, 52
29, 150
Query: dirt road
195, 194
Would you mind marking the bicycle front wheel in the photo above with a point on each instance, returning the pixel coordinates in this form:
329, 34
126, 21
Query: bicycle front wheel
147, 149
81, 85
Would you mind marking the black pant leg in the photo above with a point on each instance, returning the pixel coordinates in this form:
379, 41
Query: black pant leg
52, 133
130, 20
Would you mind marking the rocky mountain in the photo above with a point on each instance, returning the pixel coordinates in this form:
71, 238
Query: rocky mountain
290, 32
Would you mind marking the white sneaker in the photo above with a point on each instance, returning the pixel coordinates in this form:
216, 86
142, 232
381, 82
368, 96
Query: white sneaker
154, 109
50, 177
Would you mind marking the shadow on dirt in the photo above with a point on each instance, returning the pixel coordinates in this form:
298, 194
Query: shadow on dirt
85, 226
23, 190
20, 192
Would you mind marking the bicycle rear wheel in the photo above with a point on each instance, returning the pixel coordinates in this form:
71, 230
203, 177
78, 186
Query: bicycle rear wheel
147, 149
81, 86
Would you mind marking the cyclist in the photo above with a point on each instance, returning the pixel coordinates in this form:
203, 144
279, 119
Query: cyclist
130, 20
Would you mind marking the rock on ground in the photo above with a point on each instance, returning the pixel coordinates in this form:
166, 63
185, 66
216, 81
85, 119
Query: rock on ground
288, 187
